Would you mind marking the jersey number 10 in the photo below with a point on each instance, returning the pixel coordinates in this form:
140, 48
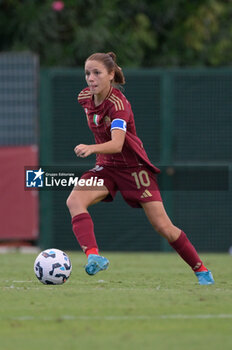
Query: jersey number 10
141, 179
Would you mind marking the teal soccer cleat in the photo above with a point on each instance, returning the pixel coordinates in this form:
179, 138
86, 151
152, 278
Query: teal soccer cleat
205, 277
95, 264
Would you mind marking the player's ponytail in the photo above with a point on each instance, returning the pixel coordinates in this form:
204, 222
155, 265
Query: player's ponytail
109, 61
118, 76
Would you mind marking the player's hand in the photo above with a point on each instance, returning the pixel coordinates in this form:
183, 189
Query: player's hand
83, 151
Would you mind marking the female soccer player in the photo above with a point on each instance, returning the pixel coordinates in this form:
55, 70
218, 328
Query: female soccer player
123, 165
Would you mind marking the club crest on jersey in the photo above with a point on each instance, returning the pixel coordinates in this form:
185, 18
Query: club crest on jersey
107, 120
96, 119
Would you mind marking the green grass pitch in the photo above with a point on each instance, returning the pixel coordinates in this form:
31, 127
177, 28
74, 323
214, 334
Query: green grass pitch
143, 301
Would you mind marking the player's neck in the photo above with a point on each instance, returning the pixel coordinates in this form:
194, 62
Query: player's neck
99, 98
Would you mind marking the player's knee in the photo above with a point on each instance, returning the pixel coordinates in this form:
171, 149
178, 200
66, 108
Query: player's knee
69, 202
74, 201
162, 227
167, 230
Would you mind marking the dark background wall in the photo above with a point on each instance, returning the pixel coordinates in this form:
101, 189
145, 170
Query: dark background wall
184, 119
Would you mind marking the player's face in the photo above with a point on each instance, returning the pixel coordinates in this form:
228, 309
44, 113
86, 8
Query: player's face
98, 78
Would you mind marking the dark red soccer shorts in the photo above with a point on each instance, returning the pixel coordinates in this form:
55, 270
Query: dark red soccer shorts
136, 185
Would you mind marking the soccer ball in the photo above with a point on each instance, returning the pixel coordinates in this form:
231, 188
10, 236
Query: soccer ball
52, 266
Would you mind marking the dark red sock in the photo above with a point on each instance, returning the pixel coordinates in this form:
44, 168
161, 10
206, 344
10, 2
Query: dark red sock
187, 252
82, 225
91, 251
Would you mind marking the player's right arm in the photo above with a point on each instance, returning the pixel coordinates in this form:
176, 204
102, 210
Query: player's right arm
113, 146
119, 116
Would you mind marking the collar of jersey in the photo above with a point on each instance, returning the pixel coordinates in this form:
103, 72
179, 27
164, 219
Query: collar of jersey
106, 98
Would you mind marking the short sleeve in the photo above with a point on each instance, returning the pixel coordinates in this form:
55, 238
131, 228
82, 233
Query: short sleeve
84, 97
119, 113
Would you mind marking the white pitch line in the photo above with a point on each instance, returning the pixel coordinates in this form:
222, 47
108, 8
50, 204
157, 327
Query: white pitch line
118, 318
22, 281
25, 288
196, 316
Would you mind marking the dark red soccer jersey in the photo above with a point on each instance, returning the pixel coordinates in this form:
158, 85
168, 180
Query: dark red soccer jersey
115, 106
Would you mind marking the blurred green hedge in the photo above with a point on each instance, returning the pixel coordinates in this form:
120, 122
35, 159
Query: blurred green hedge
144, 33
